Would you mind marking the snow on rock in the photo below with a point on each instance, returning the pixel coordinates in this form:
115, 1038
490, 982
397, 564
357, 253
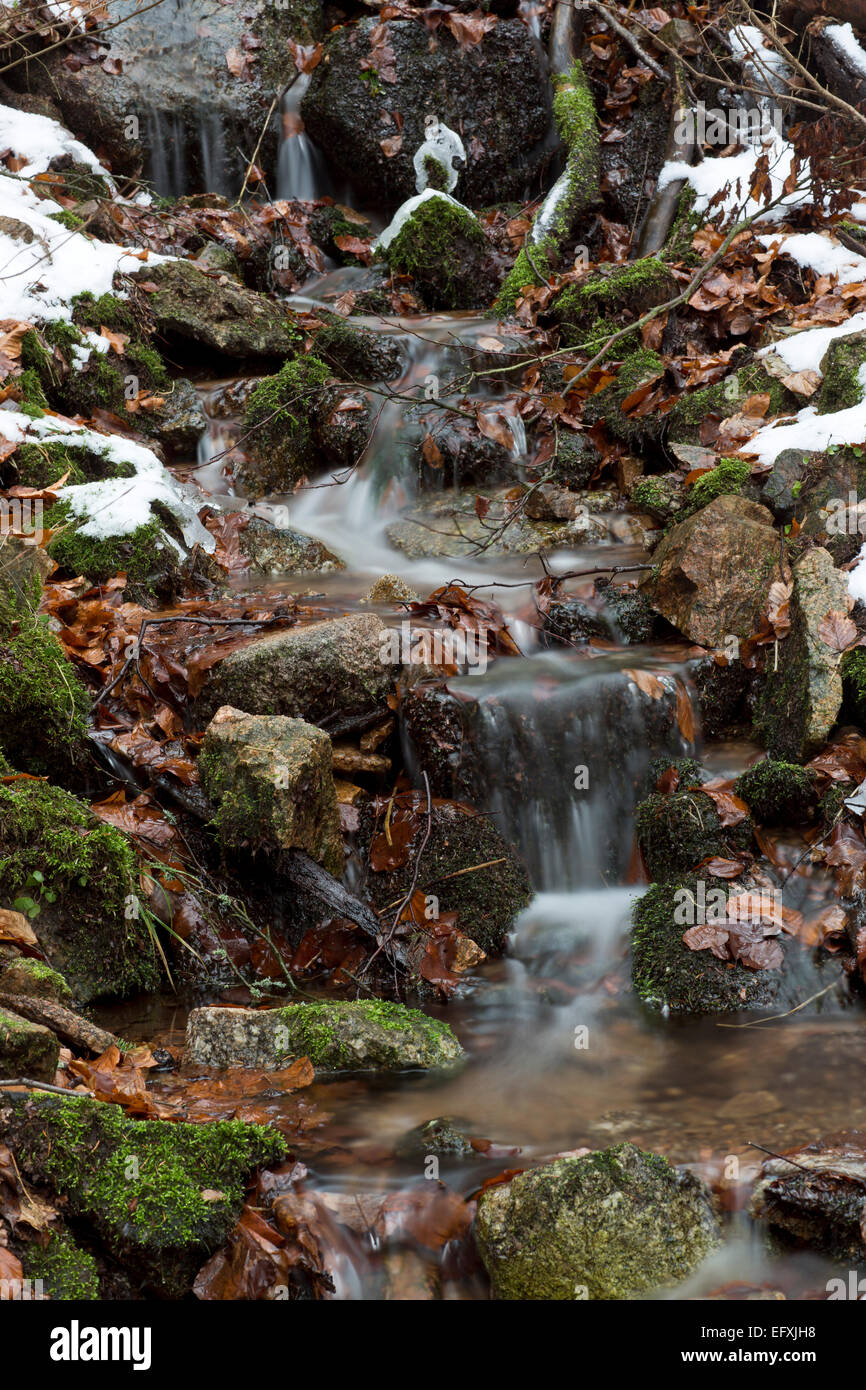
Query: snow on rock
749, 45
736, 174
844, 37
38, 139
114, 506
404, 212
815, 252
805, 351
442, 144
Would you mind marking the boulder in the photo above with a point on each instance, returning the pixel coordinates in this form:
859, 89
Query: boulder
370, 1035
271, 780
158, 1196
323, 673
442, 246
217, 312
280, 550
27, 1049
815, 1196
801, 696
495, 93
712, 572
609, 1225
33, 977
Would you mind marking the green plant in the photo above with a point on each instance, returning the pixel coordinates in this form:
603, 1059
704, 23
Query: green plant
35, 884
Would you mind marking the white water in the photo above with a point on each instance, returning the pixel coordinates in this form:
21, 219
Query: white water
302, 172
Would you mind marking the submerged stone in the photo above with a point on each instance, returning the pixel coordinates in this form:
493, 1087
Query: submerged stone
815, 1196
611, 1225
370, 1035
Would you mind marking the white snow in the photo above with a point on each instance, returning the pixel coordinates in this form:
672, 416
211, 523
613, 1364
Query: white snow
38, 139
444, 145
546, 215
815, 252
843, 35
405, 210
747, 44
737, 174
803, 351
115, 506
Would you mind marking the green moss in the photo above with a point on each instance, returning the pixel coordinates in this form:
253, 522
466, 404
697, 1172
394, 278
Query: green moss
725, 398
729, 476
327, 1034
439, 247
43, 705
658, 496
27, 387
678, 247
278, 422
677, 832
91, 871
591, 311
105, 312
691, 773
68, 1273
149, 562
26, 1049
24, 975
68, 219
640, 366
143, 1185
667, 975
841, 366
853, 671
778, 793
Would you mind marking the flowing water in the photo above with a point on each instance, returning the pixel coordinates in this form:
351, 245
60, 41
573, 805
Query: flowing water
560, 1052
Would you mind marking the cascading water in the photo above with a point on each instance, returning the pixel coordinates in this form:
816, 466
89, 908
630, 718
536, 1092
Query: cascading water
302, 172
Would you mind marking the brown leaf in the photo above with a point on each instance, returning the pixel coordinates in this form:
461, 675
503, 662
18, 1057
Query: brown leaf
837, 630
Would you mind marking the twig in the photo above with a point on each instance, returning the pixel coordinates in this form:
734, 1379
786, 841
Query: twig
623, 33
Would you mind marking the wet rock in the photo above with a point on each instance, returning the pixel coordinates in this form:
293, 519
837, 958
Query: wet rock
448, 526
279, 427
27, 1049
323, 673
495, 93
272, 783
217, 312
721, 690
575, 463
370, 1035
840, 367
549, 503
159, 1217
68, 1273
662, 495
783, 485
442, 247
195, 118
487, 900
669, 977
712, 573
180, 422
574, 621
440, 1136
800, 701
676, 832
453, 453
817, 1197
611, 1225
279, 550
34, 977
389, 588
632, 615
357, 354
778, 793
86, 924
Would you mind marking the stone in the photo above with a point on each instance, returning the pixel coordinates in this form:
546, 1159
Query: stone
26, 1049
496, 93
280, 550
613, 1224
34, 977
217, 312
322, 672
712, 572
272, 782
801, 697
370, 1035
817, 1197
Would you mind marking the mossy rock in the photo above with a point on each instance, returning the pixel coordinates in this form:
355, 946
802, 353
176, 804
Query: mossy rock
613, 1224
726, 398
443, 248
608, 299
40, 463
217, 312
357, 354
662, 495
778, 793
632, 614
279, 426
33, 977
146, 555
487, 901
841, 367
639, 367
43, 704
854, 685
575, 463
728, 477
147, 1188
368, 1035
667, 976
27, 1049
677, 832
89, 930
67, 1273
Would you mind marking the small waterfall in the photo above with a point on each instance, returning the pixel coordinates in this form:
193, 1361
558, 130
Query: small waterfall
559, 746
175, 165
302, 173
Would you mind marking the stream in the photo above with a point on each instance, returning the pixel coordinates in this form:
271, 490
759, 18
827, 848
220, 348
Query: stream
561, 1054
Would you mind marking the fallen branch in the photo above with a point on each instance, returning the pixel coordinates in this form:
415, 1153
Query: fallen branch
310, 877
663, 207
70, 1027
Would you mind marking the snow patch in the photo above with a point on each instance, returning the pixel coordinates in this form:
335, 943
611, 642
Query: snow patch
736, 173
804, 351
815, 252
844, 37
38, 139
405, 210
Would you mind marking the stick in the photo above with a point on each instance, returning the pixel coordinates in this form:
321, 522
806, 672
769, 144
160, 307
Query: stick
71, 1027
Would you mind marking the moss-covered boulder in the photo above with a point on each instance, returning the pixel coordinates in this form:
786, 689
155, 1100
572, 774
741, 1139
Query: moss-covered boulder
147, 555
279, 427
801, 696
80, 877
662, 495
726, 398
25, 975
712, 573
495, 93
159, 1196
487, 900
608, 298
670, 978
217, 312
614, 1224
357, 354
67, 1273
43, 704
639, 368
322, 673
728, 478
842, 367
272, 784
26, 1049
369, 1035
778, 793
442, 247
677, 832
